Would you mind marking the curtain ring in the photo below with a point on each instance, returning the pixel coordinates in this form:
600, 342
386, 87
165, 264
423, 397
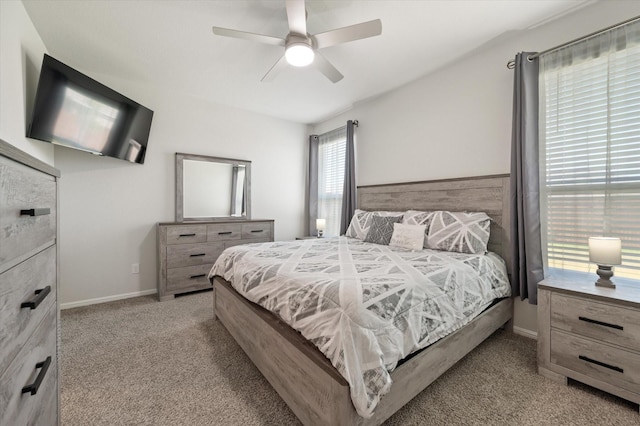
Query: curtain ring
511, 64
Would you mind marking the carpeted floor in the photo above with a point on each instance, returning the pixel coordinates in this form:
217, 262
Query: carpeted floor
141, 362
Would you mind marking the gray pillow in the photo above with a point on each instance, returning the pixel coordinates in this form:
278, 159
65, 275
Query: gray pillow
381, 229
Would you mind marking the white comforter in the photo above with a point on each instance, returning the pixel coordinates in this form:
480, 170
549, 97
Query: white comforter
365, 306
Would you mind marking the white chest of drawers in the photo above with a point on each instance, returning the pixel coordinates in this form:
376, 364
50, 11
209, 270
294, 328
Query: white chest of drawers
187, 251
29, 314
590, 334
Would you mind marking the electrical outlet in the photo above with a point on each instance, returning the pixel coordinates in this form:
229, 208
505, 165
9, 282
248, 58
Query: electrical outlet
135, 268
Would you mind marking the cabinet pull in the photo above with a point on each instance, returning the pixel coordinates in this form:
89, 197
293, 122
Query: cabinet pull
606, 324
33, 387
601, 364
188, 235
225, 233
197, 276
35, 212
41, 293
197, 255
257, 230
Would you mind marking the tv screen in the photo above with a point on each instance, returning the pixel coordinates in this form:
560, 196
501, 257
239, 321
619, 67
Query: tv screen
75, 111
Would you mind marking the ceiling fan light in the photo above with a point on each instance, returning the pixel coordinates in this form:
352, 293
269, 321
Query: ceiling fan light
299, 54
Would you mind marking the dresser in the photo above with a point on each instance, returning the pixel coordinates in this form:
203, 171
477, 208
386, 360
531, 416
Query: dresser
590, 334
29, 313
188, 250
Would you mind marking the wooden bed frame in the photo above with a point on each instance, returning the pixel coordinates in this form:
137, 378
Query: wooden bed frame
303, 376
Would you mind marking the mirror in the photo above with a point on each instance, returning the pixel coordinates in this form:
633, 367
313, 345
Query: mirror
212, 188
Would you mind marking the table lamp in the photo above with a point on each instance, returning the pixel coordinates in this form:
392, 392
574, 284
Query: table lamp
605, 252
320, 225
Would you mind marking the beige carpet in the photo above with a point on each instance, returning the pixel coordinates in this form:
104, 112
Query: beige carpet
141, 362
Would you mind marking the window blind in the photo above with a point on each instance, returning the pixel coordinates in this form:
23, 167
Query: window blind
590, 156
331, 163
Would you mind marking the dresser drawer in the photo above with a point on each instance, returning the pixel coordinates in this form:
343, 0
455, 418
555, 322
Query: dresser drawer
605, 322
260, 230
186, 234
24, 408
243, 242
224, 232
17, 286
609, 364
193, 254
23, 233
189, 277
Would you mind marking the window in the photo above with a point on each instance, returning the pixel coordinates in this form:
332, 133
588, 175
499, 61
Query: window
590, 150
331, 163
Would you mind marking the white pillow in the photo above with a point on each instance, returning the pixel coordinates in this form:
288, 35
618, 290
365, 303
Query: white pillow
408, 236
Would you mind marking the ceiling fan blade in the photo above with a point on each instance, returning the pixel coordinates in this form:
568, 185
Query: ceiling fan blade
346, 34
326, 68
275, 41
275, 70
297, 16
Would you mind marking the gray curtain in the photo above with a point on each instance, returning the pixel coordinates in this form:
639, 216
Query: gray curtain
526, 252
349, 191
313, 184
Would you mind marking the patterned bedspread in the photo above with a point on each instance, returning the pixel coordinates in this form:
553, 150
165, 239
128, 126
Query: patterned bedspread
365, 306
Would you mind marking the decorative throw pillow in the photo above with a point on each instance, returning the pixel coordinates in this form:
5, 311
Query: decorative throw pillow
361, 221
408, 236
381, 229
462, 232
416, 217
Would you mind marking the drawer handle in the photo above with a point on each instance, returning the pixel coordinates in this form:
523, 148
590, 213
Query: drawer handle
41, 293
257, 230
188, 235
602, 364
35, 212
33, 387
606, 324
225, 233
197, 255
192, 277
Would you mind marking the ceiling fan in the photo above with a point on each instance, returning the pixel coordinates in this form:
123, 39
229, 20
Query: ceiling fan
301, 48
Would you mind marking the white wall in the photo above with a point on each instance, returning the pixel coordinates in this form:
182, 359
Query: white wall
109, 208
21, 52
457, 121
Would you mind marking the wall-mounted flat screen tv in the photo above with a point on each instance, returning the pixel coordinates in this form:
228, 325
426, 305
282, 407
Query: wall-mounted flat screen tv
73, 110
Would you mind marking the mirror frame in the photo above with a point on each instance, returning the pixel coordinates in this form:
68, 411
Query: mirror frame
180, 157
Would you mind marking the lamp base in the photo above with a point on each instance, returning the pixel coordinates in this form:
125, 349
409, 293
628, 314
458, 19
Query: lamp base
605, 273
320, 233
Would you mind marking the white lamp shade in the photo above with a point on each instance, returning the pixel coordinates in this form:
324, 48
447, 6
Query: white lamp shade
605, 250
321, 224
299, 54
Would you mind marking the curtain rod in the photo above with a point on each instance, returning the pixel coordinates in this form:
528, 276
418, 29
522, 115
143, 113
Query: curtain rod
512, 63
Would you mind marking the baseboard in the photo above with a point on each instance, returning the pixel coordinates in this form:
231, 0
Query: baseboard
525, 332
97, 300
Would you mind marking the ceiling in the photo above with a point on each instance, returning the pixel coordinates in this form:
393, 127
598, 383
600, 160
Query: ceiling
170, 44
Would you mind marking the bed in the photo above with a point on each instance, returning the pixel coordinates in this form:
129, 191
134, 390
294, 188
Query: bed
314, 389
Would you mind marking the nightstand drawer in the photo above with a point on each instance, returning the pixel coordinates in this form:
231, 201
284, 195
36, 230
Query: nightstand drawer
186, 234
597, 360
193, 254
251, 231
608, 323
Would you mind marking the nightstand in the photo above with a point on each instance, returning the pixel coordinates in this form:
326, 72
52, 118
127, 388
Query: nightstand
590, 334
308, 237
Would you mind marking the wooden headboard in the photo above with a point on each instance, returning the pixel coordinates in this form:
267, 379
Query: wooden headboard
489, 194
